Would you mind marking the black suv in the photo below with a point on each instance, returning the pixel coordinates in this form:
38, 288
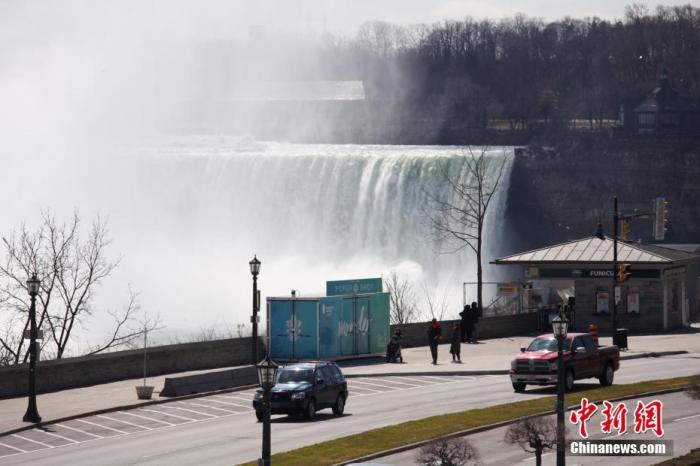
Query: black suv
304, 388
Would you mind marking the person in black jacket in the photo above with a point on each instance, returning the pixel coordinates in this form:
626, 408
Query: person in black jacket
434, 333
455, 346
464, 315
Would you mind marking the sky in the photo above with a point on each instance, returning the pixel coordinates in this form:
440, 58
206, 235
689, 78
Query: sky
211, 19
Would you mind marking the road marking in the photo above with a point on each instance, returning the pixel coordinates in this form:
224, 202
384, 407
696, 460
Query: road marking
687, 418
59, 436
190, 410
101, 426
14, 448
440, 379
209, 407
229, 403
372, 383
35, 441
123, 422
81, 431
148, 418
238, 398
403, 383
425, 382
168, 414
365, 389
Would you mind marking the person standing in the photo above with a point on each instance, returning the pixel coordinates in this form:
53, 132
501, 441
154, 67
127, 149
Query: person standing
434, 334
474, 318
464, 323
455, 347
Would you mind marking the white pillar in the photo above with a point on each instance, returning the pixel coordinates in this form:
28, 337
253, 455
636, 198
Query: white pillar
665, 304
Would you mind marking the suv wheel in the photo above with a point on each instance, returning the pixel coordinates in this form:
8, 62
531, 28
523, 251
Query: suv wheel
569, 380
608, 375
310, 409
259, 415
339, 405
519, 386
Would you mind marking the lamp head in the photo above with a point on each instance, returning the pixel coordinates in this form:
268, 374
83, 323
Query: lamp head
560, 326
254, 266
267, 372
33, 285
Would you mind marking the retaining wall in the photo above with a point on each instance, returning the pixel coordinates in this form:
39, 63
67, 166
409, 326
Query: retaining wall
490, 327
101, 368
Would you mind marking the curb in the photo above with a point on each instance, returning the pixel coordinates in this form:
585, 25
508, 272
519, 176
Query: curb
495, 425
123, 408
651, 354
436, 374
657, 354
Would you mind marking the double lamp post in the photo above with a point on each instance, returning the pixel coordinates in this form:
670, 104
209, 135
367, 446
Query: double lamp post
267, 368
560, 328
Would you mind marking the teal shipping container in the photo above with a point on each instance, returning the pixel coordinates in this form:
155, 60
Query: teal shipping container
353, 320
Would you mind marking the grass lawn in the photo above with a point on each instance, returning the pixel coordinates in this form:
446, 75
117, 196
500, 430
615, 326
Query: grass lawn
385, 438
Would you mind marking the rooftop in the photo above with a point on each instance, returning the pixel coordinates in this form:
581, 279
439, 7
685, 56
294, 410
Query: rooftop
596, 250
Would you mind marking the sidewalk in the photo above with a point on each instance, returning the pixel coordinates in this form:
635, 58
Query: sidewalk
488, 356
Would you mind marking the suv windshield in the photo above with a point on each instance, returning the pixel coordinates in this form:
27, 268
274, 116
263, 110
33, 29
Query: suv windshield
547, 344
295, 375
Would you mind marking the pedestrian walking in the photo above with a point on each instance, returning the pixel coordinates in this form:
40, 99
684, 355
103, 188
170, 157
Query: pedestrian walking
434, 333
455, 347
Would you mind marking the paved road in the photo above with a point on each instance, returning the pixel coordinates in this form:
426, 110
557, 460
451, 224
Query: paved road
681, 421
221, 429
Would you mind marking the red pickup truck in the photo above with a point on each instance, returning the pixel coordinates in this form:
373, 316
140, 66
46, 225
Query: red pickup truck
537, 364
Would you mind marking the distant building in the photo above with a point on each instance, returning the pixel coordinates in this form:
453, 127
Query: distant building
662, 111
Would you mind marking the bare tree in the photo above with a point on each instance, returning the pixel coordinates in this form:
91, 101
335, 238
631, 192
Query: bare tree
402, 298
693, 389
436, 302
70, 267
448, 452
458, 218
534, 435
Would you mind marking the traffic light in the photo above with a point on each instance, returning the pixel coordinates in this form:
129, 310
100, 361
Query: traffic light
625, 230
660, 218
623, 272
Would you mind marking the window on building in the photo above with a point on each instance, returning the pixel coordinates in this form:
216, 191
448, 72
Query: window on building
646, 119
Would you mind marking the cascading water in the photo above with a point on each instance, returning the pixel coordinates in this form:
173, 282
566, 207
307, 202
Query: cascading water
311, 213
186, 216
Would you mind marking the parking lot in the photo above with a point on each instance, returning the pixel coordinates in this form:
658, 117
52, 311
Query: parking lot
180, 412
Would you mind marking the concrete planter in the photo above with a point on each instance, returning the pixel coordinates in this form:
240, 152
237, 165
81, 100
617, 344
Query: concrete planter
144, 392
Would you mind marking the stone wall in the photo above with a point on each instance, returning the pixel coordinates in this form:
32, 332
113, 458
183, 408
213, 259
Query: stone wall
414, 334
90, 370
649, 319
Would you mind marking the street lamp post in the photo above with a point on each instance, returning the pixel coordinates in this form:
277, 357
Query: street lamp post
32, 414
616, 219
267, 374
255, 270
560, 328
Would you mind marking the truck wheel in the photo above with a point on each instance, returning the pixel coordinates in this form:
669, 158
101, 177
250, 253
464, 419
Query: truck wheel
339, 406
608, 375
519, 387
569, 380
310, 410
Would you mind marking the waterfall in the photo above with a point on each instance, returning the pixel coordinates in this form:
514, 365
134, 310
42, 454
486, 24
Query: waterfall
311, 213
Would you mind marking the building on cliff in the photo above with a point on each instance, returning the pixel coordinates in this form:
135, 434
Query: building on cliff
662, 111
660, 293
